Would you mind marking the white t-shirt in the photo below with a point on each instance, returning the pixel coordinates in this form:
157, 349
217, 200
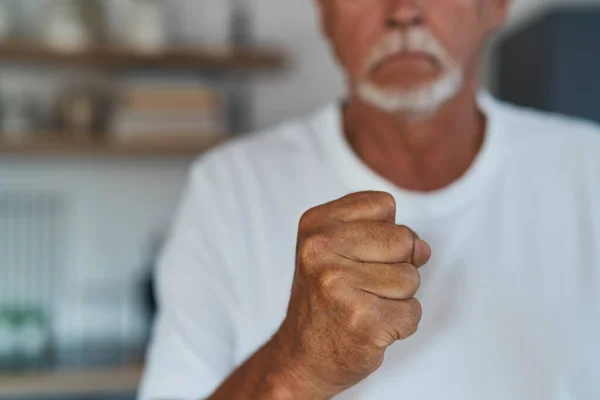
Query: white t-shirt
511, 296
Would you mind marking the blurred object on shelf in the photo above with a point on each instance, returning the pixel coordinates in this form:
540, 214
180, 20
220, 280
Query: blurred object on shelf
32, 333
33, 320
241, 23
147, 26
84, 112
24, 334
63, 29
31, 240
169, 110
9, 19
7, 337
177, 98
213, 24
94, 16
20, 116
30, 18
74, 25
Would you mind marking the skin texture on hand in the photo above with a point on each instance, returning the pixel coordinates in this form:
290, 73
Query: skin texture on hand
354, 287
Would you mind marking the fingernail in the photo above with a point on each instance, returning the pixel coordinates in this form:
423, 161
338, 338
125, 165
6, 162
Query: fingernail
421, 252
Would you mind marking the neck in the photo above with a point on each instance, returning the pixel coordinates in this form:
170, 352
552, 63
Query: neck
420, 154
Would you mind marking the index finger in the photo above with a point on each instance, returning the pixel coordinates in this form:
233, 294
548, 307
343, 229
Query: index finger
360, 206
378, 242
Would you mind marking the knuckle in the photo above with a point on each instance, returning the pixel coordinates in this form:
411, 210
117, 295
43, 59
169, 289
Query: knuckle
312, 247
405, 234
383, 201
329, 279
360, 318
411, 279
411, 316
306, 220
412, 312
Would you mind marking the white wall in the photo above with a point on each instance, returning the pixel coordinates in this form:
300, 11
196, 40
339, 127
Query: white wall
118, 204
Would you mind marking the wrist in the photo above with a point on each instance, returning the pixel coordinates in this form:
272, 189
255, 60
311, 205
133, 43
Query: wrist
289, 378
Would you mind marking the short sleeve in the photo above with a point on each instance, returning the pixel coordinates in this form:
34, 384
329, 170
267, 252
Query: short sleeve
194, 335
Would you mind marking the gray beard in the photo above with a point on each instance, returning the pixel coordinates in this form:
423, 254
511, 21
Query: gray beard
423, 100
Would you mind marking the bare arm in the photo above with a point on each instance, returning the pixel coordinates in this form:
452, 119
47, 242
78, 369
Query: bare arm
270, 374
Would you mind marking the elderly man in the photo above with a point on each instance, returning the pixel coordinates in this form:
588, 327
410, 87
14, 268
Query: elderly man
487, 213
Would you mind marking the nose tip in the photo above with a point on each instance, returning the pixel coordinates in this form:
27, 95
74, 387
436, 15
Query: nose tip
405, 14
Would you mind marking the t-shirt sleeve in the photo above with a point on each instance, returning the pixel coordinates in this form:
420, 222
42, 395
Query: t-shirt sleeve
194, 335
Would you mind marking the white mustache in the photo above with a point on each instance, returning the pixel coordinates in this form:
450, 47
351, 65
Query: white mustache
414, 40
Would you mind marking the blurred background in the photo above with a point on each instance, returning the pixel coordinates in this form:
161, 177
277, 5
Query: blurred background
103, 106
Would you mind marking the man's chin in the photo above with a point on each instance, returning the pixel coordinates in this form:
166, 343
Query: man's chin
419, 100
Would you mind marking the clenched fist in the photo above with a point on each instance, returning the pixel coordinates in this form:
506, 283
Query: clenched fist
353, 292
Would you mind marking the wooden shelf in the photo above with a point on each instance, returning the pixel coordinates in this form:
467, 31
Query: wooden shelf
63, 145
123, 58
70, 383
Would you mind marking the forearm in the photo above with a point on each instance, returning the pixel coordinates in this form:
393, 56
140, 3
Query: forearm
269, 375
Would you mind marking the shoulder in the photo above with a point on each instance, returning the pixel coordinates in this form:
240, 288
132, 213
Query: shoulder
547, 131
253, 155
562, 150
